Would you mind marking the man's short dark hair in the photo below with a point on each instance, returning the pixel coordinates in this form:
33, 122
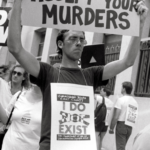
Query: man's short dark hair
5, 68
60, 37
108, 91
127, 86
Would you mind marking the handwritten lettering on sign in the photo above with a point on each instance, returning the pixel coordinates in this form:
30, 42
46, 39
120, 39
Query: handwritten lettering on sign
4, 25
105, 16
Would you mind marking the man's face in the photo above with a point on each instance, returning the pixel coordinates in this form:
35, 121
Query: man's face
73, 44
18, 75
2, 73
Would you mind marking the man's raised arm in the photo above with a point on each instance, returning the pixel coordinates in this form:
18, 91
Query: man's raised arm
115, 67
27, 60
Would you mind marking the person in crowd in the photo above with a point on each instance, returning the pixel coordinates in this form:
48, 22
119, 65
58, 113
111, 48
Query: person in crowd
18, 81
24, 130
141, 141
4, 72
125, 116
70, 44
104, 92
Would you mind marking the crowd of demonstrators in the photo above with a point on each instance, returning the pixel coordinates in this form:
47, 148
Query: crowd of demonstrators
124, 116
24, 130
70, 44
18, 81
4, 72
104, 92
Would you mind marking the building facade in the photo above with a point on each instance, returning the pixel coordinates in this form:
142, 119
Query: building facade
41, 43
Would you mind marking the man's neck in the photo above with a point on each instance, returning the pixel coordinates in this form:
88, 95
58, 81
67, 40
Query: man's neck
69, 63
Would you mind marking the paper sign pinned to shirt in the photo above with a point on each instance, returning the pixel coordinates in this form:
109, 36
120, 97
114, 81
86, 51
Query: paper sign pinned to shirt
72, 125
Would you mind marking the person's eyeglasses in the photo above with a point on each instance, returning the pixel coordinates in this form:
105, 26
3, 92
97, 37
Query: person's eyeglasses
18, 73
76, 40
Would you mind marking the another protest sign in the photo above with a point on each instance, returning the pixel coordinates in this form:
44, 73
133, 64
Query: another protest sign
4, 25
103, 16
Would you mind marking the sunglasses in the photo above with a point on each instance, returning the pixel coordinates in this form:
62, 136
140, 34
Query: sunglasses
18, 73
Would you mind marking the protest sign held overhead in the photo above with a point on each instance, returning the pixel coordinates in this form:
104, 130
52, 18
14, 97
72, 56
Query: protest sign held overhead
4, 25
103, 16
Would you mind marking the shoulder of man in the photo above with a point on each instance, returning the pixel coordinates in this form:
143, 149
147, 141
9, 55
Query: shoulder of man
108, 101
99, 98
119, 102
46, 66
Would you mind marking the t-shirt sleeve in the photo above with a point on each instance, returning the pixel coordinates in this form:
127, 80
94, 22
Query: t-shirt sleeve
99, 99
118, 104
98, 75
44, 75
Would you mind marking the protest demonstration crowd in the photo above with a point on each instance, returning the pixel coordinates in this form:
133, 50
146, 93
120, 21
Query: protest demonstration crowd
43, 107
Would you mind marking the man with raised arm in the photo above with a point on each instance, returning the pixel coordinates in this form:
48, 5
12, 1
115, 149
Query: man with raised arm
70, 44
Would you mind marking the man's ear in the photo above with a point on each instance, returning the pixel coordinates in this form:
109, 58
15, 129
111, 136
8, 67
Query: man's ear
60, 44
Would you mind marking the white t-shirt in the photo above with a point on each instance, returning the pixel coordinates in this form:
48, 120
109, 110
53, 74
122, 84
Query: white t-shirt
24, 131
5, 97
141, 141
123, 103
109, 105
5, 93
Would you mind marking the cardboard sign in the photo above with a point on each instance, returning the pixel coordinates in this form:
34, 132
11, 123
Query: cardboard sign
72, 125
4, 25
103, 16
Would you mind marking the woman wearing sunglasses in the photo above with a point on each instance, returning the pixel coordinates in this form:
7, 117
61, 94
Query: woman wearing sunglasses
18, 81
25, 128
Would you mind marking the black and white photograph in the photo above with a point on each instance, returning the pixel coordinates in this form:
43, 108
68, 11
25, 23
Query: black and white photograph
74, 74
